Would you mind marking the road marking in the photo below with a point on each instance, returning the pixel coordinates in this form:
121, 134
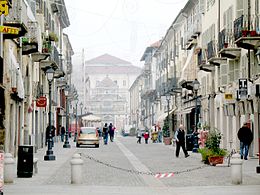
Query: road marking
150, 181
163, 175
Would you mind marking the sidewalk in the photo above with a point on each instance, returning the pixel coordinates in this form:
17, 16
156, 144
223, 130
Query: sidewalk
45, 181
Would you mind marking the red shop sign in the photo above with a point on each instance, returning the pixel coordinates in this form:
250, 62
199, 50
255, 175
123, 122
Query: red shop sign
41, 101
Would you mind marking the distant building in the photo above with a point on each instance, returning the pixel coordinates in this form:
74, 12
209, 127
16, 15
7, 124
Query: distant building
110, 79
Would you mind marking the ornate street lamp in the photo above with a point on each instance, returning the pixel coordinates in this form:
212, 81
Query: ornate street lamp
196, 86
81, 107
49, 153
76, 129
66, 143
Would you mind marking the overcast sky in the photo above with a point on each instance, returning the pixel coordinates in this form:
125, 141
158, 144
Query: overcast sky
122, 28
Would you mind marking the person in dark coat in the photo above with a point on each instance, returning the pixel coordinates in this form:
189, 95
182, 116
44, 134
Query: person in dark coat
245, 137
105, 133
62, 133
180, 141
111, 132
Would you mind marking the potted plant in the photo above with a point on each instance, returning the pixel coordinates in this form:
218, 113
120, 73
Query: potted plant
166, 132
212, 153
53, 37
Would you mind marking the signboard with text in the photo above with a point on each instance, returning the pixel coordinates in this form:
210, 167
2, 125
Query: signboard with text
242, 89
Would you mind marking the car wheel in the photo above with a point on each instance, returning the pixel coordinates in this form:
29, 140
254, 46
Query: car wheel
77, 145
97, 146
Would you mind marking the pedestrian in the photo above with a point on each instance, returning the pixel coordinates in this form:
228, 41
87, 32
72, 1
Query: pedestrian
146, 136
245, 137
105, 133
62, 133
50, 133
159, 134
139, 136
111, 132
180, 141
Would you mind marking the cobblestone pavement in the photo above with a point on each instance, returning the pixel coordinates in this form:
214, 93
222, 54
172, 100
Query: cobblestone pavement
121, 168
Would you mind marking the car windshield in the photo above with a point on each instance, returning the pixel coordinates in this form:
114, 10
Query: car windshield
88, 131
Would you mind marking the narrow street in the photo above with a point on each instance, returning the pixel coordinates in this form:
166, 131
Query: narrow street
125, 167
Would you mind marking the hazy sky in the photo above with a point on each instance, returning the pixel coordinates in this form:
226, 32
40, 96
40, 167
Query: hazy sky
122, 28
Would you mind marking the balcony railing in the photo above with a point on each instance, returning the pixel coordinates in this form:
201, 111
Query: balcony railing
238, 26
211, 51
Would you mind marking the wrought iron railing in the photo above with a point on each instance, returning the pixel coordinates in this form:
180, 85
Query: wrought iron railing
211, 51
238, 26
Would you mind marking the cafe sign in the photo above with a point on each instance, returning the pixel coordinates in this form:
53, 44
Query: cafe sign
9, 30
41, 102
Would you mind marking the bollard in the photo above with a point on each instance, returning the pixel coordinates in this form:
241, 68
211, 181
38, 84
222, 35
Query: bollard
236, 169
9, 168
76, 169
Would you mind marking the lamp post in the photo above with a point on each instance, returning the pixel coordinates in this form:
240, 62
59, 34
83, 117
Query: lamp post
196, 86
81, 107
168, 98
137, 118
49, 153
76, 130
66, 143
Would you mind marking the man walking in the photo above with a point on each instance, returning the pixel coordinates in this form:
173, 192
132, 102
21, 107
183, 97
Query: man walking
105, 133
245, 136
180, 141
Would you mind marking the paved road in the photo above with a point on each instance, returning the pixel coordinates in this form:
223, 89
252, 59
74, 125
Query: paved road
125, 167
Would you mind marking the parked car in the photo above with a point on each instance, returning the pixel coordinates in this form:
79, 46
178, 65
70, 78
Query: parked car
88, 136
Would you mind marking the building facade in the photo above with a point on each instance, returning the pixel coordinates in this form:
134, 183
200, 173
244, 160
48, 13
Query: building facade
109, 81
211, 41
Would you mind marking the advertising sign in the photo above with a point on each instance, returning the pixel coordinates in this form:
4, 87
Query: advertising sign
41, 102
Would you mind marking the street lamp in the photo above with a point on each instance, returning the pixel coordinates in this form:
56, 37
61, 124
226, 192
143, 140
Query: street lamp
168, 98
76, 129
196, 86
49, 153
137, 118
81, 107
66, 143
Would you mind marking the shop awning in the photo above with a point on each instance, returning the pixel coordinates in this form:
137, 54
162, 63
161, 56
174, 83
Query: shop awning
162, 117
187, 111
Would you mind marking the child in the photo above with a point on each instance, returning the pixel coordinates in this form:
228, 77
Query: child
146, 136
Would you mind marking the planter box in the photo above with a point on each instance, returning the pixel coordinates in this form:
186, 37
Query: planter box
216, 160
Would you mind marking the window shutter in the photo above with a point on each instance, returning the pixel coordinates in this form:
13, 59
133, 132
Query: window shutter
223, 74
231, 71
239, 10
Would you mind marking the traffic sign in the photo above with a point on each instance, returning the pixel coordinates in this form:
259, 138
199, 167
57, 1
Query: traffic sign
4, 9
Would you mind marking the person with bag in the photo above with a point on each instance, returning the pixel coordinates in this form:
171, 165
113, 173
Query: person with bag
180, 141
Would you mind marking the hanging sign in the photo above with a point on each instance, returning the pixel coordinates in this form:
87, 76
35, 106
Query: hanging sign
9, 30
41, 102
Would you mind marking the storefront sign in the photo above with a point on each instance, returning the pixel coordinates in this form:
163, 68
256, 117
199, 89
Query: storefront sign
41, 102
9, 30
228, 96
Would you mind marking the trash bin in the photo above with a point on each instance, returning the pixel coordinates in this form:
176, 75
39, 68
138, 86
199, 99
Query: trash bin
25, 161
189, 142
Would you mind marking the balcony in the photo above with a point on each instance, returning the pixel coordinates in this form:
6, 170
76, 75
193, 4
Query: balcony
225, 50
244, 38
29, 45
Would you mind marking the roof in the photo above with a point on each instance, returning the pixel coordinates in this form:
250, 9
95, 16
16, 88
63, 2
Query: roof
107, 82
113, 70
107, 59
149, 49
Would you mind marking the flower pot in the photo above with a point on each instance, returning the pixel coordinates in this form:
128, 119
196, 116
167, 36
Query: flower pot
244, 33
167, 140
225, 45
252, 33
214, 160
